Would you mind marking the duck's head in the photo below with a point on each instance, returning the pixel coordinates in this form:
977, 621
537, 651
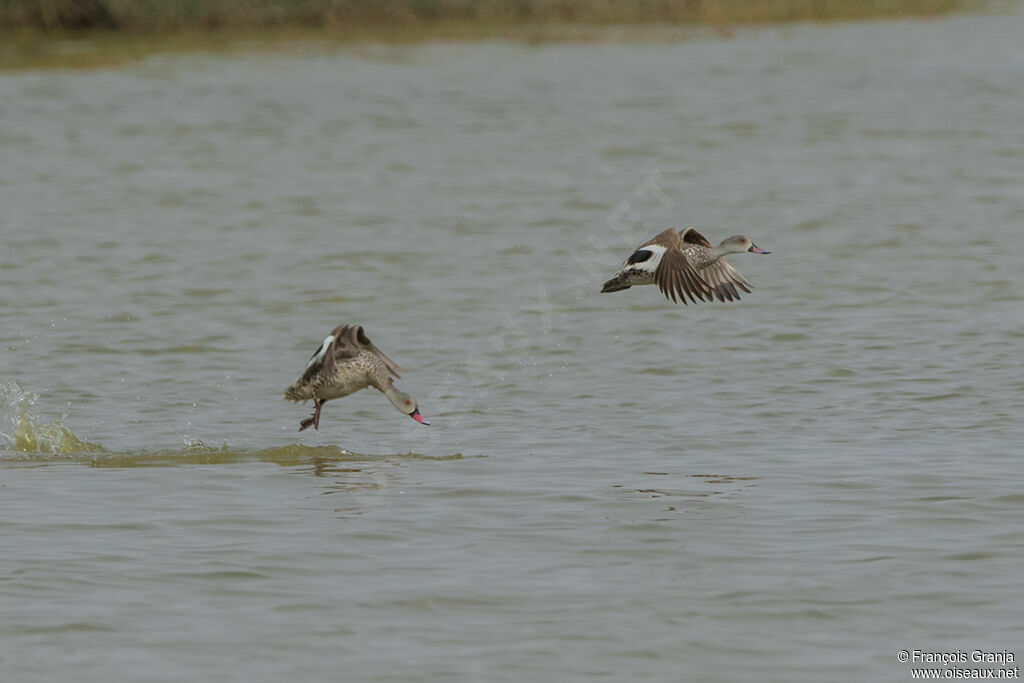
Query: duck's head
407, 404
741, 243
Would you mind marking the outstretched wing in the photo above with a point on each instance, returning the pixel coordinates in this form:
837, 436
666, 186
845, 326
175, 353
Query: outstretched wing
692, 236
675, 275
346, 342
723, 280
355, 340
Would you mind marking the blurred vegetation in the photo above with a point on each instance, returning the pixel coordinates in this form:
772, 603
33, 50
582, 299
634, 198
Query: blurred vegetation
84, 34
48, 16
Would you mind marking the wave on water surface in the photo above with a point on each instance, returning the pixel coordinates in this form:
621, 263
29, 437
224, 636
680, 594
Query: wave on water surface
30, 440
198, 453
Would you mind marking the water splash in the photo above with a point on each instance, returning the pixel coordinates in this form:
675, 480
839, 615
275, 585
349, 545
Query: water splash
27, 435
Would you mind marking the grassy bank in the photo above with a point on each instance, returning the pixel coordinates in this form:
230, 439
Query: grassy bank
342, 15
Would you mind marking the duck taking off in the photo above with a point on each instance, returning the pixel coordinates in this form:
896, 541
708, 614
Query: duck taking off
346, 362
684, 264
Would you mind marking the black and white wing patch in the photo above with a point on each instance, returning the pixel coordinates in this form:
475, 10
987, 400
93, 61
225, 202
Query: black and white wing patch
321, 360
639, 256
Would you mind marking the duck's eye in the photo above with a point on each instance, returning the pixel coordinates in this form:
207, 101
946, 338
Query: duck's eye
408, 402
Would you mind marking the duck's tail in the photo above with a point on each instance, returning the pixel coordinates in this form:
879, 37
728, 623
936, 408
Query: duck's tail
295, 393
615, 284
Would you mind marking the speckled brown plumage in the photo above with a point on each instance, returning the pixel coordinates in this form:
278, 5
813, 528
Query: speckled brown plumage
346, 362
684, 264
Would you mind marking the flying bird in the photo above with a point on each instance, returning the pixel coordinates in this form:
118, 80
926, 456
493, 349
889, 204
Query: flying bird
346, 362
684, 264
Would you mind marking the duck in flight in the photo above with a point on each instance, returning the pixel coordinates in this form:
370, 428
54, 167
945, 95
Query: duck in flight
684, 264
346, 362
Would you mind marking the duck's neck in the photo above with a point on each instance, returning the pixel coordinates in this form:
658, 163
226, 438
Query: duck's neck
723, 249
399, 399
